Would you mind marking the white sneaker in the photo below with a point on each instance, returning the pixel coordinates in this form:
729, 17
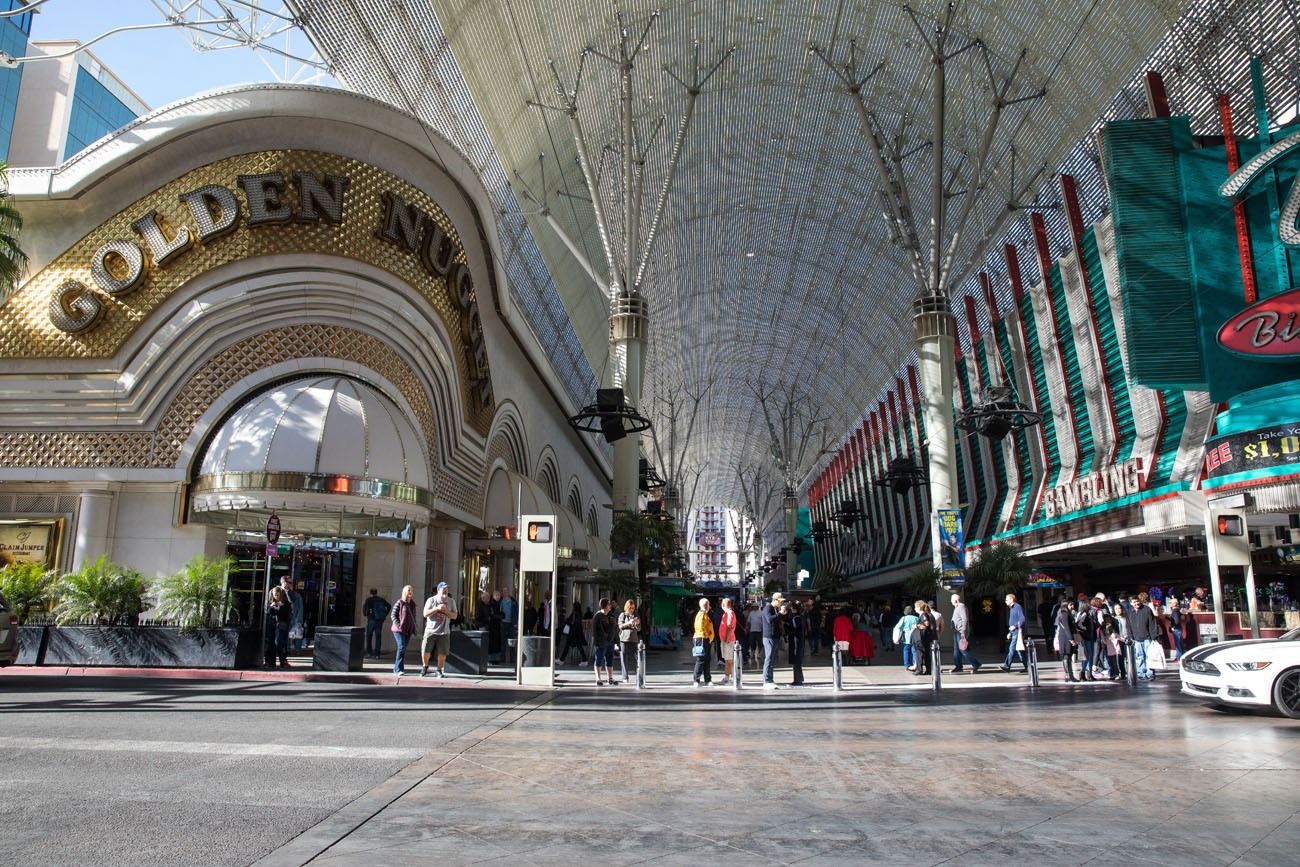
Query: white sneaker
441, 673
698, 684
770, 685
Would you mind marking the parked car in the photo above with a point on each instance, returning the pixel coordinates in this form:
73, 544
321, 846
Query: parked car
8, 634
1262, 673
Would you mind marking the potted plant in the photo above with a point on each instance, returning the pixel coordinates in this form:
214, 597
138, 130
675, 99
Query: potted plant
195, 596
100, 592
26, 586
99, 608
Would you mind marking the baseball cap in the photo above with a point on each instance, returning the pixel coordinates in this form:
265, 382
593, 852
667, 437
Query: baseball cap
442, 585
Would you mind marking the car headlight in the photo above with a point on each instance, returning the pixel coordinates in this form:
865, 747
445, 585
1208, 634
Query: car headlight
1249, 666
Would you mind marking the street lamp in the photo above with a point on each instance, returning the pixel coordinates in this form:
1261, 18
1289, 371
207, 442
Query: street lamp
610, 415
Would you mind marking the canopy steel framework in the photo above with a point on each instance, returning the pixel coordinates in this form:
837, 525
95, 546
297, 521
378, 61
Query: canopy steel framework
802, 220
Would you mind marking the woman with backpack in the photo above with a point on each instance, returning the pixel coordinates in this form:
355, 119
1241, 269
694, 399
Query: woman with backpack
903, 635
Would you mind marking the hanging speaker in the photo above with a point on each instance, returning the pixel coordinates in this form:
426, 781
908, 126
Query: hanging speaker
609, 402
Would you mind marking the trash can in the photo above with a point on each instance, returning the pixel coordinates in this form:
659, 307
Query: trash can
537, 651
469, 652
339, 648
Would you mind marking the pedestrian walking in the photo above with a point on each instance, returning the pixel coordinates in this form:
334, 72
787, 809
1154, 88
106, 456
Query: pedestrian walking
602, 637
403, 627
795, 637
727, 639
922, 635
961, 636
279, 614
771, 629
376, 611
754, 624
629, 636
1015, 635
574, 636
702, 646
297, 613
439, 612
903, 635
1066, 640
1142, 627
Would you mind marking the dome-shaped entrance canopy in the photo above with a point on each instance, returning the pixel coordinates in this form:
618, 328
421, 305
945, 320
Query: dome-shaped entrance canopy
327, 453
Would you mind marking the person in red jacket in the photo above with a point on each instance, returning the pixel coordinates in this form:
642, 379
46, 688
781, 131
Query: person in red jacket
727, 639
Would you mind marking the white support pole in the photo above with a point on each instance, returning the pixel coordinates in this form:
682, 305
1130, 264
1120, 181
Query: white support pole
935, 329
1251, 602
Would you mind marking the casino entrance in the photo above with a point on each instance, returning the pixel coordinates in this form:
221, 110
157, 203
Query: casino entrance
343, 469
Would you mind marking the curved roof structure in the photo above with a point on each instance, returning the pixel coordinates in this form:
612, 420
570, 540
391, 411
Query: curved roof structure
782, 265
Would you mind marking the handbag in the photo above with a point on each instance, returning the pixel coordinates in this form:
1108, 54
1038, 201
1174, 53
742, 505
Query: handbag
565, 630
1156, 657
962, 644
698, 649
295, 632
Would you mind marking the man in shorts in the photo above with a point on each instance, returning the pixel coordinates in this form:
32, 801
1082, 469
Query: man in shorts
603, 634
439, 612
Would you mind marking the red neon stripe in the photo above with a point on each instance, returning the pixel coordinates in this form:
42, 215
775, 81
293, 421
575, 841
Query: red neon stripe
1045, 263
1071, 194
1239, 207
1018, 291
1258, 483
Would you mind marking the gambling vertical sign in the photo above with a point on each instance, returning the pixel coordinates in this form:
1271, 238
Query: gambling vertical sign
952, 548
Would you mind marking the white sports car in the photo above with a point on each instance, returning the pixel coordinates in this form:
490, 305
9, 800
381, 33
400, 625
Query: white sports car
1259, 673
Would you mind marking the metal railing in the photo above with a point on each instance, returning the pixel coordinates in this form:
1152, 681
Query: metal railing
1031, 660
936, 665
837, 664
640, 665
737, 665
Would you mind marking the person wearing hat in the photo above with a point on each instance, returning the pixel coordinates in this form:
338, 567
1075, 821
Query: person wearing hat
439, 612
771, 629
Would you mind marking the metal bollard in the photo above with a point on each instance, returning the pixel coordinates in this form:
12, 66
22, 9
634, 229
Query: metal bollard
640, 665
837, 666
1130, 656
737, 665
1031, 649
936, 665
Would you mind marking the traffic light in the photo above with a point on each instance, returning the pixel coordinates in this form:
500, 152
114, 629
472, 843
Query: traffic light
1231, 525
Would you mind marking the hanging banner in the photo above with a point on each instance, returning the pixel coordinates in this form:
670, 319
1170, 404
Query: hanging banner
952, 547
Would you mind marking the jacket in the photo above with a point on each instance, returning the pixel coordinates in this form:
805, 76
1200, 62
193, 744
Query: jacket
1142, 624
1016, 617
1064, 637
961, 620
602, 629
403, 617
627, 627
770, 619
703, 626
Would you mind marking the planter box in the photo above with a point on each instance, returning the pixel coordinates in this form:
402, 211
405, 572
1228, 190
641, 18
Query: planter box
32, 641
339, 648
153, 647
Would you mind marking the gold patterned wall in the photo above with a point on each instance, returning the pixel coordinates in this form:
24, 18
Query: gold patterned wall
27, 332
160, 449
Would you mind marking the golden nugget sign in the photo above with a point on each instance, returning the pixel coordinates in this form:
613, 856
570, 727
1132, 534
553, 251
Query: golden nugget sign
119, 266
1093, 489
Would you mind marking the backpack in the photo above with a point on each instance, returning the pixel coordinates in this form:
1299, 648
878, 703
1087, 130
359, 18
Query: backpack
1083, 620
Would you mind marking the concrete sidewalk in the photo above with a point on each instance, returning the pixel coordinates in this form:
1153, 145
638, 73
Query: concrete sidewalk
665, 670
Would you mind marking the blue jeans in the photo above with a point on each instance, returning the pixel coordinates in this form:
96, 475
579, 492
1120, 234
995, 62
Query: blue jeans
769, 658
959, 656
1089, 654
907, 653
1140, 651
399, 660
1178, 642
1012, 652
374, 637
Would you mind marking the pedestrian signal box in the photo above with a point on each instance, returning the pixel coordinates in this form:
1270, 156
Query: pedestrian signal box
1231, 525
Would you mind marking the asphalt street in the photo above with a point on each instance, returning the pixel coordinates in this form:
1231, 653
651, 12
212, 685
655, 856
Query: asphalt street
117, 771
140, 772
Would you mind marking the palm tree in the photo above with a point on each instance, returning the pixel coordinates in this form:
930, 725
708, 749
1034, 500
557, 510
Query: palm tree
13, 261
1000, 570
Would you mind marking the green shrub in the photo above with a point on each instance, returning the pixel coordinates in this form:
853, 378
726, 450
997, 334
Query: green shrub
99, 592
26, 587
195, 596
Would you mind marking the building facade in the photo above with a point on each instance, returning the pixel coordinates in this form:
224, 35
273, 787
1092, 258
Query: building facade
290, 301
